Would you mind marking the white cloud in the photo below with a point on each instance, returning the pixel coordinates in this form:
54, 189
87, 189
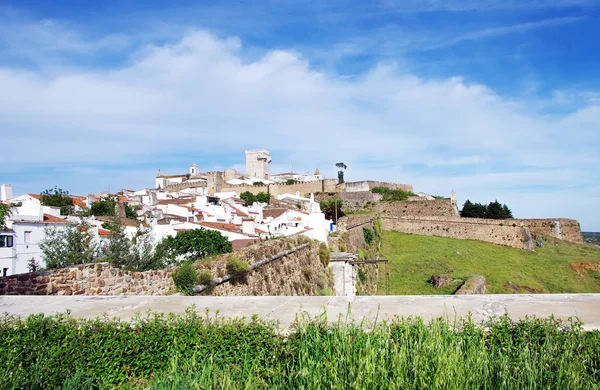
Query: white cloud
198, 96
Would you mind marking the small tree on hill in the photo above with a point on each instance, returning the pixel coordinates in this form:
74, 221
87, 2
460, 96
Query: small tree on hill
494, 210
342, 167
193, 245
57, 197
250, 198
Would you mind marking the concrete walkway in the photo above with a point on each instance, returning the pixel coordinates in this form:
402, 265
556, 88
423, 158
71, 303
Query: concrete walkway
284, 309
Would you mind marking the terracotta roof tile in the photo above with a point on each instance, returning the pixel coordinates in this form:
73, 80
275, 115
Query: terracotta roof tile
275, 213
240, 244
228, 227
35, 196
104, 232
176, 201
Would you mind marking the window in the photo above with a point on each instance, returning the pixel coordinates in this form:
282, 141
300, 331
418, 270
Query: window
4, 272
27, 237
6, 241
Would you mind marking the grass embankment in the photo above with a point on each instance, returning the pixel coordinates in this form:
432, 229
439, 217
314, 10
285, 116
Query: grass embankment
194, 351
557, 267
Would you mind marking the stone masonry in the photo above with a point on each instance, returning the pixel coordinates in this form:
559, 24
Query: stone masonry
88, 279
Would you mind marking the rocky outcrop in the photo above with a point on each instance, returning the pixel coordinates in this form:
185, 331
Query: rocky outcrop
439, 281
473, 285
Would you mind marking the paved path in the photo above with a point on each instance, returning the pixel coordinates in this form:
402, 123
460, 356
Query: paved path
284, 309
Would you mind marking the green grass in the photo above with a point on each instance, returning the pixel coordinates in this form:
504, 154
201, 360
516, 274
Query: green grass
413, 259
198, 352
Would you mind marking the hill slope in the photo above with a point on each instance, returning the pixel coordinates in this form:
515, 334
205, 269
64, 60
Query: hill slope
558, 267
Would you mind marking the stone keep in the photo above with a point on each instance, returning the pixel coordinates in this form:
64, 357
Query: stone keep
257, 163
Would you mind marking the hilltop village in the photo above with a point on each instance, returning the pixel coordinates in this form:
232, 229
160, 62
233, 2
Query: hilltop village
179, 202
254, 206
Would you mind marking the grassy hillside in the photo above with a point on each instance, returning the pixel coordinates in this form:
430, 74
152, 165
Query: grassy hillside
558, 267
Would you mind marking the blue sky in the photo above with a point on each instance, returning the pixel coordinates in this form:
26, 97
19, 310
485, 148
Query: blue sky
494, 99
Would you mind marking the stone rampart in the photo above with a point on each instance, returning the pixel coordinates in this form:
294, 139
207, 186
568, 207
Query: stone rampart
368, 185
562, 228
511, 233
304, 188
352, 201
428, 208
88, 279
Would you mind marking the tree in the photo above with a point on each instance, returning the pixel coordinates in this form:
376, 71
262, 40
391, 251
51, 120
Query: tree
145, 257
291, 181
71, 245
342, 167
4, 213
57, 197
329, 209
250, 198
494, 210
104, 206
119, 251
32, 265
192, 245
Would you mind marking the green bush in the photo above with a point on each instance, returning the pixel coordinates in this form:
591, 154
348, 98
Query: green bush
185, 277
237, 268
204, 277
369, 235
324, 254
199, 351
389, 194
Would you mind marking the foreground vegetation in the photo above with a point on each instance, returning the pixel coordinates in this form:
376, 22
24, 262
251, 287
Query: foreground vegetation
557, 267
200, 351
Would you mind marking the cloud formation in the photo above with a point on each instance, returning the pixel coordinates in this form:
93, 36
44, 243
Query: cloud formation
200, 98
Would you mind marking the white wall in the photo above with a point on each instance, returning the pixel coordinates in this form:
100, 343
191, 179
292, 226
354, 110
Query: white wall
27, 250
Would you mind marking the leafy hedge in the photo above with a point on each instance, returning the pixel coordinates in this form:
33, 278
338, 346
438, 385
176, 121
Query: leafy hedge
198, 351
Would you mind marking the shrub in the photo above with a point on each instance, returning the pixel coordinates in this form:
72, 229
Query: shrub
369, 235
193, 244
539, 242
389, 194
238, 269
324, 254
204, 277
185, 277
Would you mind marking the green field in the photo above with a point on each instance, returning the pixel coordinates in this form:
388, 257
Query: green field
557, 267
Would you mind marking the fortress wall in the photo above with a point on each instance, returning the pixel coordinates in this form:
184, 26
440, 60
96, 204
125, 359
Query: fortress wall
563, 228
502, 232
368, 185
304, 188
439, 208
353, 201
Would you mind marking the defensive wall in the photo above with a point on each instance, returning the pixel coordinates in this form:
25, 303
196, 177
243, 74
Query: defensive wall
304, 188
562, 228
352, 201
437, 208
511, 233
88, 279
368, 185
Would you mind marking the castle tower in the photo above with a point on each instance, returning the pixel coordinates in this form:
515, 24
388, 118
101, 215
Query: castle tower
194, 171
257, 163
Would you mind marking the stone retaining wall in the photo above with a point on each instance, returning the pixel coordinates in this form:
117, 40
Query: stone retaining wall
88, 279
502, 232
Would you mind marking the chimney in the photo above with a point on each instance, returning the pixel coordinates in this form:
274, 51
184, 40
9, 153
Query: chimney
5, 192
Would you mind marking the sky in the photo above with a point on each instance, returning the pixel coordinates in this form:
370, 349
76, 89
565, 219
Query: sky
492, 99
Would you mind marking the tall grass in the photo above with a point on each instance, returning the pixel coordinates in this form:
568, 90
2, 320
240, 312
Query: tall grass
192, 351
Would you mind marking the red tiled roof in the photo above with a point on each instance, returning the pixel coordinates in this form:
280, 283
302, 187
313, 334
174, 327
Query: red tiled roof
239, 212
52, 219
257, 230
228, 227
240, 244
35, 196
275, 213
176, 201
104, 232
